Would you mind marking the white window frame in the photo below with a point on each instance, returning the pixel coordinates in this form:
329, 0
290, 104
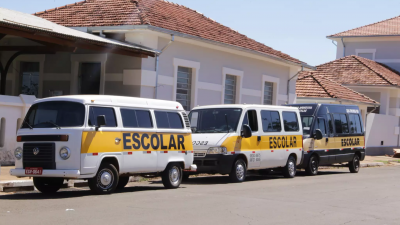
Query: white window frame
87, 58
239, 81
17, 64
195, 66
373, 51
275, 93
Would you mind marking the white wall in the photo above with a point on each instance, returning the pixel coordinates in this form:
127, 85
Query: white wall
381, 128
13, 110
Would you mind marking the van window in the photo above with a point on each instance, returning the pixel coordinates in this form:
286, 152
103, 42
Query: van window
290, 122
168, 120
109, 113
271, 121
330, 124
251, 119
307, 121
341, 124
215, 120
320, 124
355, 124
136, 118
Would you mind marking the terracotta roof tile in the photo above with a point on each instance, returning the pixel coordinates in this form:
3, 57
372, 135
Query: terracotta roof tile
157, 13
386, 27
355, 70
312, 84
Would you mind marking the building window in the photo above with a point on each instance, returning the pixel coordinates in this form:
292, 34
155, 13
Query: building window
184, 86
230, 89
2, 132
268, 93
30, 78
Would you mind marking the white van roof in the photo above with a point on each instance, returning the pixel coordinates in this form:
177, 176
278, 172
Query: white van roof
117, 101
246, 106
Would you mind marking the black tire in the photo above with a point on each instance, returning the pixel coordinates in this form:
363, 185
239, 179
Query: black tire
185, 176
354, 165
238, 172
172, 176
289, 171
123, 181
105, 181
312, 167
48, 185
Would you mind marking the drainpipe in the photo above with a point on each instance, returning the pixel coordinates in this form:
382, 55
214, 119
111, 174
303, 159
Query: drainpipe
157, 61
344, 48
288, 83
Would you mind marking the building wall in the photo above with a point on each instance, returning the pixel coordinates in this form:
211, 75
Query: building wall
381, 134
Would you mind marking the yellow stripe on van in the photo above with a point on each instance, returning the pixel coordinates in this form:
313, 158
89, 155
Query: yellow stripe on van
280, 142
97, 142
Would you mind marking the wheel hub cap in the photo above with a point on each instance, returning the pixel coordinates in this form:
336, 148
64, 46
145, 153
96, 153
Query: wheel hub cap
174, 175
291, 168
240, 171
105, 178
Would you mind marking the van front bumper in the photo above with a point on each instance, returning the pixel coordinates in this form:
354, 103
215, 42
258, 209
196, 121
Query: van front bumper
214, 163
47, 173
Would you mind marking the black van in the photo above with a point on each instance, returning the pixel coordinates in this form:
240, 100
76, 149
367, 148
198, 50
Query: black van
331, 134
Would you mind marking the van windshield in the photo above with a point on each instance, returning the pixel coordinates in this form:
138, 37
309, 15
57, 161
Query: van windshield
214, 120
307, 122
55, 114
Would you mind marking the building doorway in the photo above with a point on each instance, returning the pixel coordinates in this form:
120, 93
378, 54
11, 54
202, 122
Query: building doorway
29, 77
89, 78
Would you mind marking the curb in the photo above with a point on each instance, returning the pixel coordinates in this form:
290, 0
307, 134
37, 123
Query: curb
372, 164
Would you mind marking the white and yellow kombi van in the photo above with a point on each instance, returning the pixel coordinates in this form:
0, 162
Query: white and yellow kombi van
231, 139
104, 139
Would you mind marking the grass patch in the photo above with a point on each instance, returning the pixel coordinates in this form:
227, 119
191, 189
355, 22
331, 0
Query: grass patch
382, 161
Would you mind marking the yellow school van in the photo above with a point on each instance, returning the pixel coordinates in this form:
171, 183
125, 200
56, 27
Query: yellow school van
232, 139
104, 139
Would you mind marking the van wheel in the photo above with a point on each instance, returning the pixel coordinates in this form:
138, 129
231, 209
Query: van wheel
289, 171
48, 185
312, 167
123, 181
105, 181
172, 176
354, 165
238, 172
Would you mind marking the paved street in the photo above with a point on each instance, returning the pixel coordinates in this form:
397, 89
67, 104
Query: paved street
334, 197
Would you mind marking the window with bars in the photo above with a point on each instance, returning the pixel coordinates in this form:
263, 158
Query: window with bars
268, 93
184, 86
230, 89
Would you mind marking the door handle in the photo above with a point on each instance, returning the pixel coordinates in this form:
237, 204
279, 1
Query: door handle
327, 139
117, 140
259, 138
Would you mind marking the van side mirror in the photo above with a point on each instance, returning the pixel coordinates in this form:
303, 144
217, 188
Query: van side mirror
101, 121
318, 134
246, 131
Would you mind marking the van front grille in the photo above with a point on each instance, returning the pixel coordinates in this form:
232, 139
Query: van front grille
201, 154
44, 158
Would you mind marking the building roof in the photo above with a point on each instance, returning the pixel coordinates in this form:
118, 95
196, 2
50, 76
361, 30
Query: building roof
12, 21
157, 13
387, 27
312, 84
355, 70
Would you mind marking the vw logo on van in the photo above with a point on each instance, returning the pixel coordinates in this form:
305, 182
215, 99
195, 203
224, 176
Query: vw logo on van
36, 151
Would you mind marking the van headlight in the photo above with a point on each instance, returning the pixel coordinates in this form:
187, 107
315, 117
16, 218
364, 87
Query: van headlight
18, 153
65, 153
217, 150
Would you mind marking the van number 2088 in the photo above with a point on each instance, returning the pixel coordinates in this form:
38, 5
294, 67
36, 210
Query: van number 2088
200, 142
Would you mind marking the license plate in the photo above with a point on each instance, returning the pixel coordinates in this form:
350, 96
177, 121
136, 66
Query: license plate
33, 171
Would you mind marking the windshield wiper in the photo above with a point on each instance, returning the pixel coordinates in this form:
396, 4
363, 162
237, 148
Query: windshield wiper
58, 127
30, 127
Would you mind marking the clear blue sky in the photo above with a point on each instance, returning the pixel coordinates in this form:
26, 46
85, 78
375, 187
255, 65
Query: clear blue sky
296, 27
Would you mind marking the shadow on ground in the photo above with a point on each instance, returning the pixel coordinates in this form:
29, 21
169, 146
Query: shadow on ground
72, 193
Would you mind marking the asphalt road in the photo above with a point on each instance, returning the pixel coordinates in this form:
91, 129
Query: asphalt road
333, 197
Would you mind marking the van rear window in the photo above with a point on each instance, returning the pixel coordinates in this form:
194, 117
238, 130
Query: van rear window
168, 120
290, 122
341, 125
355, 124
